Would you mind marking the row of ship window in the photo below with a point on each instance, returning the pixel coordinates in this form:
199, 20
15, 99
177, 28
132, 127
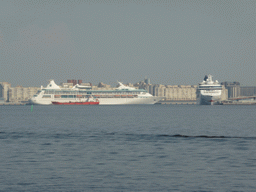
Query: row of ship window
86, 96
210, 87
89, 92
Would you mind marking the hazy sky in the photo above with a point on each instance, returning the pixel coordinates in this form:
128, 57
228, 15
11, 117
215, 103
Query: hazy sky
172, 42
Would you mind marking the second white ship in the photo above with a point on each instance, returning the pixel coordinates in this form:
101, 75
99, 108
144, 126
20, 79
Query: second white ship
209, 92
123, 95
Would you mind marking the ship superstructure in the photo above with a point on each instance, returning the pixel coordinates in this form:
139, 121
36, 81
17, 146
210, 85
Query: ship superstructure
209, 91
122, 95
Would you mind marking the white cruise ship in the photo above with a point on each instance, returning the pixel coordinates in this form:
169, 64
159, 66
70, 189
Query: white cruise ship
209, 92
122, 95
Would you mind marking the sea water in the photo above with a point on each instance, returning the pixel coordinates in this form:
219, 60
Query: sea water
128, 148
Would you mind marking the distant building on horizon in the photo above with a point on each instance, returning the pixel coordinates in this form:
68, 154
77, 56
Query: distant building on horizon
19, 93
147, 80
4, 90
16, 94
235, 90
174, 92
248, 90
170, 92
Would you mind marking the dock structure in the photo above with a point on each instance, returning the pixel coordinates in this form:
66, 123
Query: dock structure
238, 103
243, 100
10, 103
173, 102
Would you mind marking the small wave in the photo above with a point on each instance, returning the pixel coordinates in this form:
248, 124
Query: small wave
205, 136
150, 136
189, 136
17, 135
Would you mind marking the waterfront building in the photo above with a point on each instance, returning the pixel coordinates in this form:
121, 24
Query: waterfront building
224, 94
248, 90
159, 90
177, 92
19, 93
173, 92
4, 90
233, 88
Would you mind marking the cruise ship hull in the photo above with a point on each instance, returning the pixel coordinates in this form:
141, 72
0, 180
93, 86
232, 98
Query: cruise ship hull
105, 101
209, 100
122, 95
129, 101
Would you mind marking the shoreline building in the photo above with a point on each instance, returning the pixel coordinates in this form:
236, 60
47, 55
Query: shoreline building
4, 91
235, 90
176, 92
21, 94
16, 94
172, 92
248, 90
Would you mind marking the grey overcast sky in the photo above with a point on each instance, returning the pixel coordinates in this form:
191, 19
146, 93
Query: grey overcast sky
173, 42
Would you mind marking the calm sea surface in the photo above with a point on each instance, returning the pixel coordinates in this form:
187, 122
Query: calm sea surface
128, 148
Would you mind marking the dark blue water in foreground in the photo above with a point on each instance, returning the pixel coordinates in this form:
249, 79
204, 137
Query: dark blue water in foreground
128, 148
